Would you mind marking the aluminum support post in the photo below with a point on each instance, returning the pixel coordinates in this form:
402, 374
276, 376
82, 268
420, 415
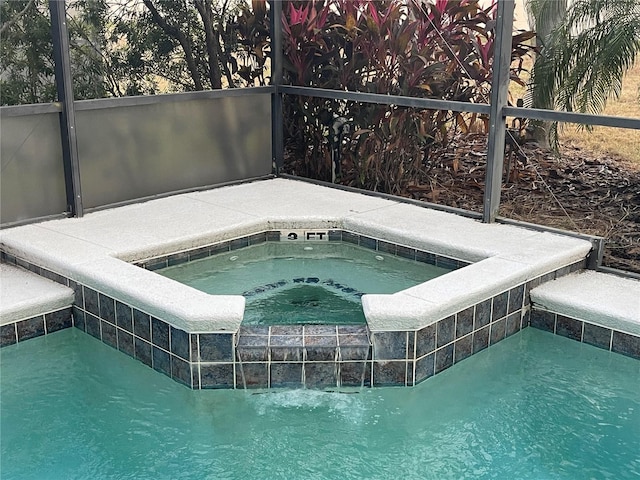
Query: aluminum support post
277, 119
497, 124
64, 86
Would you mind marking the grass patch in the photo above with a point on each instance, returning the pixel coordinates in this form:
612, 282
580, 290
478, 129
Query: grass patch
623, 144
620, 142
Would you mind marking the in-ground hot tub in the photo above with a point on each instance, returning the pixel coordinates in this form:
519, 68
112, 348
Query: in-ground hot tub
303, 320
194, 337
295, 281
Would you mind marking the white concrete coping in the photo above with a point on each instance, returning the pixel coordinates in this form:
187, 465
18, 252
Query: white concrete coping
94, 250
24, 294
182, 306
603, 299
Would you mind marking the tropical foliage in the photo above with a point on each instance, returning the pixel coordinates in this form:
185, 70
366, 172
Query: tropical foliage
26, 54
585, 49
134, 47
440, 50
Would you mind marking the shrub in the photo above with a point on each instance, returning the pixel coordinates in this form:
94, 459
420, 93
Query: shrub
412, 48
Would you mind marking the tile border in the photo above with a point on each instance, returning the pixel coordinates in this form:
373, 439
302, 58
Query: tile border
203, 360
334, 235
25, 329
610, 339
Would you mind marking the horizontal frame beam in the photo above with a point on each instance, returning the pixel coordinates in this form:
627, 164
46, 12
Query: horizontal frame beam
533, 113
572, 117
117, 102
618, 272
31, 109
543, 228
401, 101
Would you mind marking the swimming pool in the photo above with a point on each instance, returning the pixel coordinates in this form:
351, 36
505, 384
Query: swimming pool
196, 338
533, 406
303, 283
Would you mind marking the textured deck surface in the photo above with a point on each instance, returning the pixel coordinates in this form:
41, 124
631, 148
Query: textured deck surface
599, 298
96, 250
24, 294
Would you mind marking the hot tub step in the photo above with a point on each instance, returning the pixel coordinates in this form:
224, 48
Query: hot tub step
591, 307
30, 305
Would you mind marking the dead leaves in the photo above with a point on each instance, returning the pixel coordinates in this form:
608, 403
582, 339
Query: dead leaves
601, 196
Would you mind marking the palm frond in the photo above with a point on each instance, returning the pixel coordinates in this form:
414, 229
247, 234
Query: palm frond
583, 59
544, 15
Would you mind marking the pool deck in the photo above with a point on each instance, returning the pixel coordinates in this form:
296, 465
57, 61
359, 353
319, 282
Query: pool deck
98, 249
598, 298
24, 294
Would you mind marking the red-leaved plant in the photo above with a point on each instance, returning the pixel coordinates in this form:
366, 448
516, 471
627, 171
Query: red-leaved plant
441, 49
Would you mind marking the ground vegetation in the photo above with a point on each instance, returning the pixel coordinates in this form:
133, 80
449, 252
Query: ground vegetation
441, 49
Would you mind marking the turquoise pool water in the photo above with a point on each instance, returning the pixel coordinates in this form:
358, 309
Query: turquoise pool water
305, 283
534, 406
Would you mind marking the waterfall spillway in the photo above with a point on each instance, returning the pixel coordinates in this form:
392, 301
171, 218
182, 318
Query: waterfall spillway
303, 356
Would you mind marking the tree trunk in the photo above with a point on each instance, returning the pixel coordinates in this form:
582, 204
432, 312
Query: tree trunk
184, 43
204, 9
546, 15
223, 57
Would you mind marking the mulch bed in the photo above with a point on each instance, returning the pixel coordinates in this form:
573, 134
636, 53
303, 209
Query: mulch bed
574, 190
